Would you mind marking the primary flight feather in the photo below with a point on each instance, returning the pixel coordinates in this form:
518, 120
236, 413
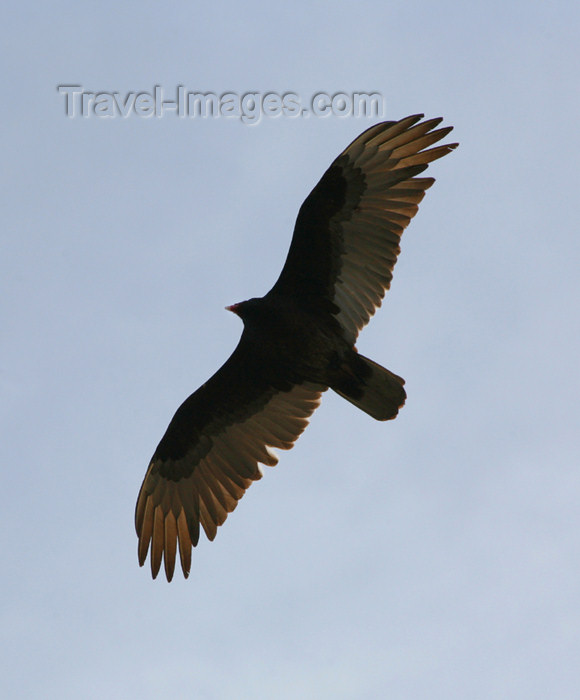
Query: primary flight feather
297, 341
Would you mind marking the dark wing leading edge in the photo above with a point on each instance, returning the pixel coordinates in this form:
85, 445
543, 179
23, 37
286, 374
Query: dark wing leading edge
347, 234
209, 454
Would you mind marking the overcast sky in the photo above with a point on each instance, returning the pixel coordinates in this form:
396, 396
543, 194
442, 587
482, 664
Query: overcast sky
428, 558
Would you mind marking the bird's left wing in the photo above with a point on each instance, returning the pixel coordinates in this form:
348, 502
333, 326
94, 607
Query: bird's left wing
209, 454
346, 239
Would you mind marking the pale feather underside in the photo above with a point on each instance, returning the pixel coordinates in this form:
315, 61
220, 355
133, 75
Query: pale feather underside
371, 234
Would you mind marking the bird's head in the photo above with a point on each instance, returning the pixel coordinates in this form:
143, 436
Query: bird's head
246, 309
234, 308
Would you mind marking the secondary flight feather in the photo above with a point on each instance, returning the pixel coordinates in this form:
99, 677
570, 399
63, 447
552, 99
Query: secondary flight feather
298, 340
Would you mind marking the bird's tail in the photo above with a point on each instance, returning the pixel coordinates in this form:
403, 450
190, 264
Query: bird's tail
370, 387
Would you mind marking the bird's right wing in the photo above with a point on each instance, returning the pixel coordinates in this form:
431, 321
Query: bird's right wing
209, 454
346, 239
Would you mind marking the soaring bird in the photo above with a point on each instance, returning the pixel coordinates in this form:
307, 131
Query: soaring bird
298, 341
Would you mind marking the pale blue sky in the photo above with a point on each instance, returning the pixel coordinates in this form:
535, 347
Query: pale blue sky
429, 558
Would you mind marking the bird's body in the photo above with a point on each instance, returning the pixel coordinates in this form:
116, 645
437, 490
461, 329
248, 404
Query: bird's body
298, 341
301, 343
280, 326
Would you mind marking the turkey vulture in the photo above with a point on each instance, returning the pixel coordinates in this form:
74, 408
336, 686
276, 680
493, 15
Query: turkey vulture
297, 341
